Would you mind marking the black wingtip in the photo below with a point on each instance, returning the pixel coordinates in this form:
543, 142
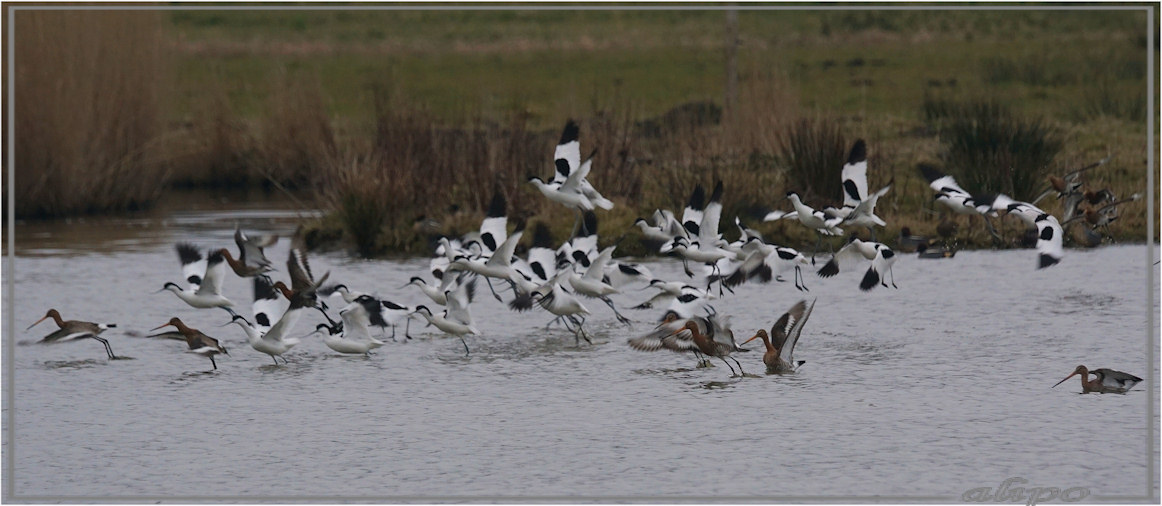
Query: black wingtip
542, 238
830, 269
1047, 260
930, 173
570, 133
521, 223
697, 199
858, 152
734, 279
264, 290
188, 253
496, 209
522, 302
590, 223
716, 195
870, 280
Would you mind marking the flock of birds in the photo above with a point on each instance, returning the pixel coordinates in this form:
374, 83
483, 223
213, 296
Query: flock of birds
561, 279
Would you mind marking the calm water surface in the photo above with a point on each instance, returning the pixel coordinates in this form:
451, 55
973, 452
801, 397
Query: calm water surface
926, 391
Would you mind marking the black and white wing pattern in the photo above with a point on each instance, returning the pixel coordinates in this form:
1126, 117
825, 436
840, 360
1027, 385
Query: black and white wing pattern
193, 265
1049, 241
854, 175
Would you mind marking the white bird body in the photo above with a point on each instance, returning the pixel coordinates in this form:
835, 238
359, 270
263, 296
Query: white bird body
561, 194
591, 284
204, 277
813, 219
273, 342
356, 336
882, 258
948, 192
499, 265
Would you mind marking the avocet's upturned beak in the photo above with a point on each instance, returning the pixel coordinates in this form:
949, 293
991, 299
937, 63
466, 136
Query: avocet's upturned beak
37, 322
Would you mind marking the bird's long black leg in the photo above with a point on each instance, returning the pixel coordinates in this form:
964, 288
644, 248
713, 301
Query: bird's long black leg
989, 226
580, 330
732, 373
576, 223
892, 273
620, 318
215, 364
493, 290
407, 326
686, 268
272, 357
108, 349
466, 352
325, 315
740, 371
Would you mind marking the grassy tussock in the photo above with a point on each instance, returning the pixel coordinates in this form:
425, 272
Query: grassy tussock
89, 89
991, 149
215, 147
296, 134
418, 167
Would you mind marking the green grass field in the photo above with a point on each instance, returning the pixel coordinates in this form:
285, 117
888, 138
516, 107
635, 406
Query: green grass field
239, 79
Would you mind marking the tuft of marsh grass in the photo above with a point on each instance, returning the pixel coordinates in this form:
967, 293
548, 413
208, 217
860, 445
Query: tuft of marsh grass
296, 135
991, 149
813, 151
88, 89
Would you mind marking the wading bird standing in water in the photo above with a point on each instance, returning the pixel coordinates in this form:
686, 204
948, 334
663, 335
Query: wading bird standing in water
198, 342
1104, 381
71, 330
784, 335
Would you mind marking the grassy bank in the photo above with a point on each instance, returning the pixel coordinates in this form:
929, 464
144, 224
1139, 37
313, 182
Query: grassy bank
387, 116
88, 112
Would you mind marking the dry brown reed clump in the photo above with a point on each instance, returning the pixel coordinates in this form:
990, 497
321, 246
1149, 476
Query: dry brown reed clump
296, 133
215, 147
419, 168
88, 89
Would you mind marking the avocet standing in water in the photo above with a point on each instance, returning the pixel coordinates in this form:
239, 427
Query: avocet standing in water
455, 319
355, 336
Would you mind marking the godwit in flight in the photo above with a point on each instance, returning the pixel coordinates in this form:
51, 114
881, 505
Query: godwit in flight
71, 330
251, 260
1104, 381
198, 342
